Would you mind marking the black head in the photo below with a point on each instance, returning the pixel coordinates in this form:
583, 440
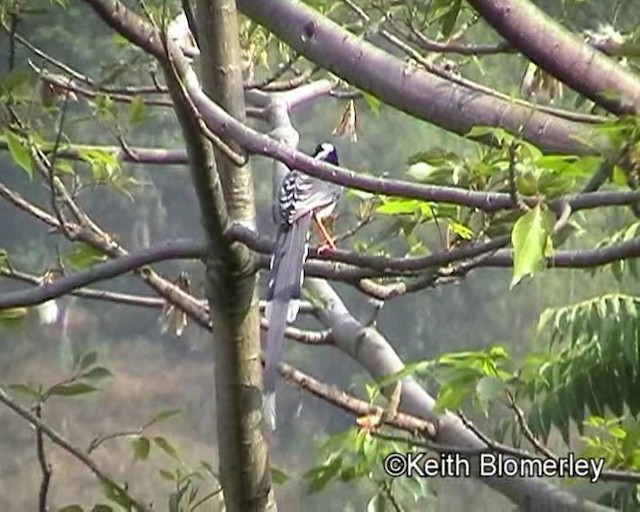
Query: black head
326, 152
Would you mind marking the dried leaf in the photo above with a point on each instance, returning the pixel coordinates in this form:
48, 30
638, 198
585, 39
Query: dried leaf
173, 320
347, 126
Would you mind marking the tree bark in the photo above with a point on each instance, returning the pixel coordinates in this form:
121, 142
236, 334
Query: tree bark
562, 54
410, 89
231, 282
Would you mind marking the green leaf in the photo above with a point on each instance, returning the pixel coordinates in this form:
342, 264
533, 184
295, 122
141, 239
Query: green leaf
278, 476
409, 369
500, 135
163, 415
531, 241
23, 388
166, 447
167, 475
461, 230
141, 447
449, 19
72, 389
451, 397
428, 173
64, 167
85, 360
320, 476
97, 374
137, 110
372, 102
104, 164
71, 508
20, 153
101, 507
14, 80
112, 493
83, 256
488, 389
12, 317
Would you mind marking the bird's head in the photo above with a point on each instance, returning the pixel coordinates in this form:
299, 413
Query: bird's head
326, 152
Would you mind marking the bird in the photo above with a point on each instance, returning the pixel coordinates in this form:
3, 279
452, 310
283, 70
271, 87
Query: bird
301, 200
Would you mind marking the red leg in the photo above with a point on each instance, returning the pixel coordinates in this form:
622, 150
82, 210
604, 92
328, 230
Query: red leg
329, 242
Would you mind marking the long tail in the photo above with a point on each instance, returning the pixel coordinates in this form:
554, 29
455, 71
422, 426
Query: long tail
283, 302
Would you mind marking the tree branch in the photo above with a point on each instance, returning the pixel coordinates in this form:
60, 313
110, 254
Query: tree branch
411, 90
75, 451
562, 54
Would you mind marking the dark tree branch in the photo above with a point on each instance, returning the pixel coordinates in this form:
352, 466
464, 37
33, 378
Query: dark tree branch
353, 271
172, 249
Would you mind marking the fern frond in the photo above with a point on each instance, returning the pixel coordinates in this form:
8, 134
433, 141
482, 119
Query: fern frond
596, 367
619, 267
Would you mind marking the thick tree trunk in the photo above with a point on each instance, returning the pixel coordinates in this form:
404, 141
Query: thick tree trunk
231, 284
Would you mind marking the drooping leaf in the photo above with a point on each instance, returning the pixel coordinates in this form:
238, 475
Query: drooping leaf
20, 153
137, 110
278, 476
83, 256
488, 389
72, 389
114, 494
531, 242
166, 447
163, 415
450, 18
167, 475
141, 447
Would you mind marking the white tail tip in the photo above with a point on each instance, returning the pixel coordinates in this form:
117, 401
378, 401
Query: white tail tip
48, 312
269, 410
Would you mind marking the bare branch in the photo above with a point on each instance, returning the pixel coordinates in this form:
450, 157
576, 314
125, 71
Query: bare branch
157, 156
45, 467
172, 249
75, 451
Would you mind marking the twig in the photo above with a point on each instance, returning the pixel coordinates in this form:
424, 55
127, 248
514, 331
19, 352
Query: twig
76, 452
13, 25
239, 160
206, 498
386, 489
354, 229
526, 431
354, 405
45, 467
279, 73
513, 186
52, 165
